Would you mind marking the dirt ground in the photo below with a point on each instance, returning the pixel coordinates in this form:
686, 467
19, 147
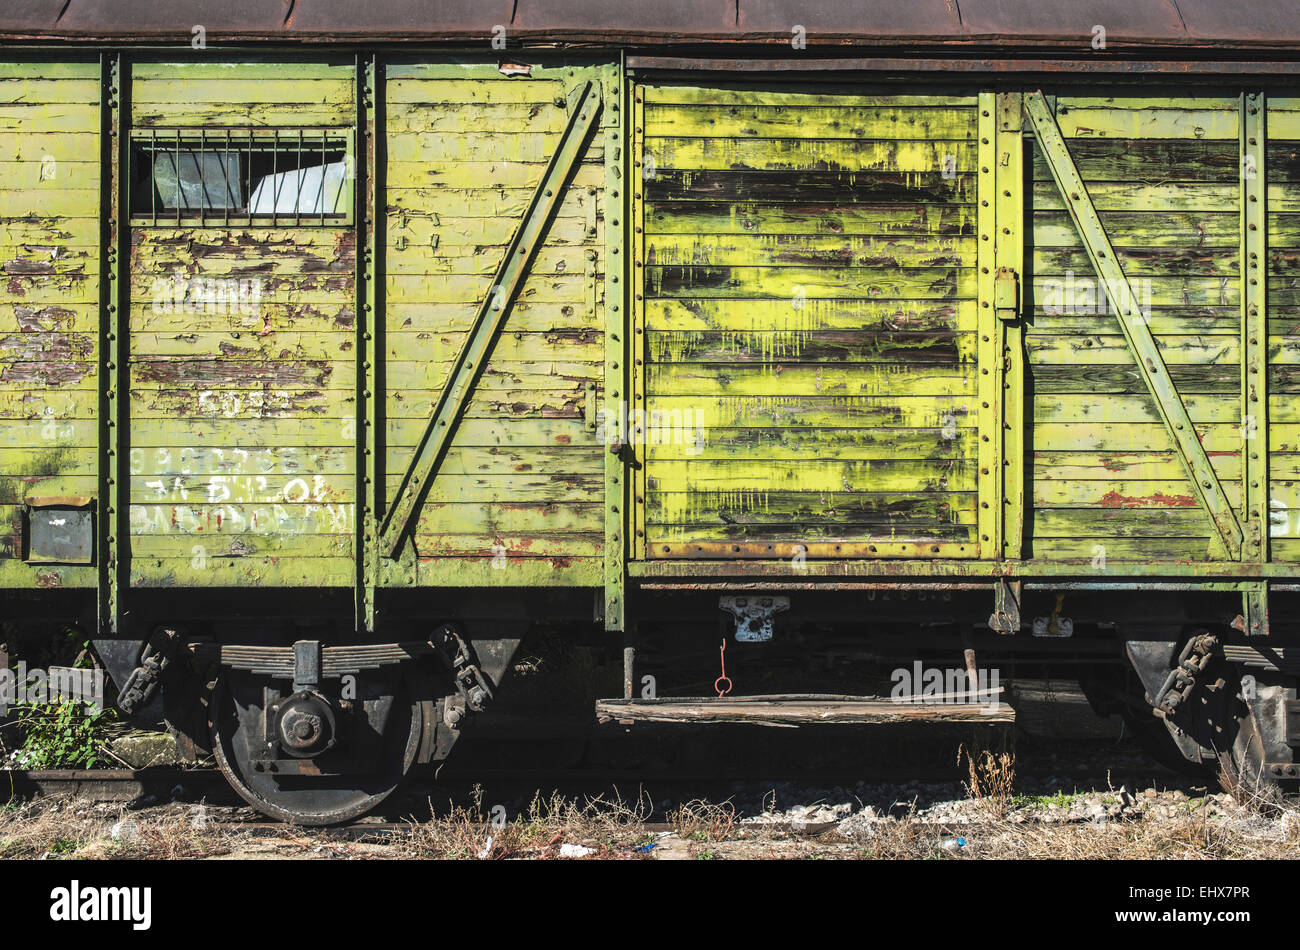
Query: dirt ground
783, 820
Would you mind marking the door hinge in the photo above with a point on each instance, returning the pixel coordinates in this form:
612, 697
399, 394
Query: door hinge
1006, 294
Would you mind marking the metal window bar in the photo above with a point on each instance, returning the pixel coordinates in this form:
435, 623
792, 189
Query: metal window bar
297, 205
248, 174
198, 171
177, 169
275, 178
338, 192
220, 146
322, 179
225, 171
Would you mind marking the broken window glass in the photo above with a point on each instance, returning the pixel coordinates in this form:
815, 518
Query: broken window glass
193, 180
318, 189
292, 176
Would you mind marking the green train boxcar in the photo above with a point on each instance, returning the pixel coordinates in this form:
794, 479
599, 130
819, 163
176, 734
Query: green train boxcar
336, 358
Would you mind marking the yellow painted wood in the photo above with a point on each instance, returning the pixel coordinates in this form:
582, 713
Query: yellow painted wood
463, 159
504, 572
1092, 523
242, 94
820, 444
1194, 231
49, 210
1142, 196
804, 310
1123, 493
1130, 465
1086, 120
893, 380
35, 141
242, 572
473, 146
885, 411
1098, 348
811, 346
1089, 552
841, 121
751, 96
452, 175
920, 156
782, 316
921, 217
445, 92
828, 251
220, 368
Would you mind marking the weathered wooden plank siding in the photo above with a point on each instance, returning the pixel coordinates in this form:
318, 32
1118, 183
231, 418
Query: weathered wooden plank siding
242, 402
236, 95
810, 316
49, 256
1164, 174
518, 498
1282, 164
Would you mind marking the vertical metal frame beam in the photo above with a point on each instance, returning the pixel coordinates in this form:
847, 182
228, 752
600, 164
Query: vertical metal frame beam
1009, 249
1254, 327
616, 281
586, 110
1254, 353
113, 557
637, 346
368, 193
1254, 609
1142, 345
989, 361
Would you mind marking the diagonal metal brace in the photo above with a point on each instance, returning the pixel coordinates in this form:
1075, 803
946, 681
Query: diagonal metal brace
1141, 343
491, 316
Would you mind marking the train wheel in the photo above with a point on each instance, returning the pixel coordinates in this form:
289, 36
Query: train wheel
368, 749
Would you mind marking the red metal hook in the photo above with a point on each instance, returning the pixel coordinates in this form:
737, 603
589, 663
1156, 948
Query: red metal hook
722, 655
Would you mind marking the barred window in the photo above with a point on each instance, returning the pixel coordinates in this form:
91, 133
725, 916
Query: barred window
241, 176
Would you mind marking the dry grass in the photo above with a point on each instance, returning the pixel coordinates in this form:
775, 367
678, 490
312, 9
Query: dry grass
610, 826
1194, 836
1251, 792
699, 820
57, 829
992, 778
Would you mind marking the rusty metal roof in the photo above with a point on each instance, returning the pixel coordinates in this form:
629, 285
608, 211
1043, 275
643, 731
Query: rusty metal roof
989, 24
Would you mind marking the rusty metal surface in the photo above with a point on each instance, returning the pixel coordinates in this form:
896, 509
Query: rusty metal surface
1019, 66
933, 19
974, 23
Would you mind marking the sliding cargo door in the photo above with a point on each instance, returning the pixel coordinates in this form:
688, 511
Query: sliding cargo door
805, 324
